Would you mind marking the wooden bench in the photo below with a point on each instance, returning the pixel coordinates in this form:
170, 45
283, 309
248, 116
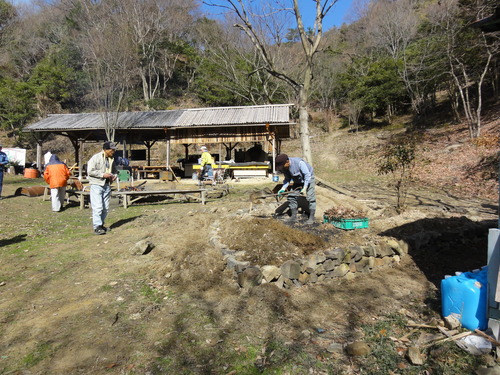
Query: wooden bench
129, 197
81, 195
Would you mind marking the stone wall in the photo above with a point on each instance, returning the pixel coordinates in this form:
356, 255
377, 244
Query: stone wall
334, 263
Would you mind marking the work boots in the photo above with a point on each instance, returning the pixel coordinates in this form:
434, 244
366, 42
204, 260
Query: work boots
293, 217
311, 217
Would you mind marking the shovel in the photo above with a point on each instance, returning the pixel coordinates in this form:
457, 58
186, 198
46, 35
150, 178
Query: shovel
259, 195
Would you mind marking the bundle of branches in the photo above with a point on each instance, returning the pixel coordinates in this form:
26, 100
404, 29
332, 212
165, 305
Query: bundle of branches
139, 187
133, 188
344, 213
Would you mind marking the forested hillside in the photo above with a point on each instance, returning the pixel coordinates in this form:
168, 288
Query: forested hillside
407, 57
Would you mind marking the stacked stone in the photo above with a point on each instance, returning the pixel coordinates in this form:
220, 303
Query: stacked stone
332, 264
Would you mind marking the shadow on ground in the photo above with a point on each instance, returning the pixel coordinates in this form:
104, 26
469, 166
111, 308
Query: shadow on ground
442, 246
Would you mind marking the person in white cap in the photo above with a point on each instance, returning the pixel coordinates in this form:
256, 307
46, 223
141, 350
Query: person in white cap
206, 164
4, 160
101, 171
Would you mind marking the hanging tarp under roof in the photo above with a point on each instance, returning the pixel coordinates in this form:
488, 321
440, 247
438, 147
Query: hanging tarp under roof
219, 124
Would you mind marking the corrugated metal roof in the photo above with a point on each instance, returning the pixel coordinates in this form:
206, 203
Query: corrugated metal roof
274, 114
217, 116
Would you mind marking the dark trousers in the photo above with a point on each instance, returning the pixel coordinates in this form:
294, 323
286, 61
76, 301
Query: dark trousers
1, 179
310, 196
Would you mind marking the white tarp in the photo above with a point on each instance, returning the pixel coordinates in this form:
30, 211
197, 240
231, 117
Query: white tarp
17, 156
46, 157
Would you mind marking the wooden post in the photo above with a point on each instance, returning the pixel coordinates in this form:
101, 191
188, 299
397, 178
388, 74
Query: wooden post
80, 159
168, 150
274, 156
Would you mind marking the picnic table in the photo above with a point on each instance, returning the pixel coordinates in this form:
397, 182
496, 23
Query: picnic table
82, 194
129, 197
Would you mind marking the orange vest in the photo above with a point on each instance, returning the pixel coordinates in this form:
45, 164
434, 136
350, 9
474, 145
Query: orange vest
56, 175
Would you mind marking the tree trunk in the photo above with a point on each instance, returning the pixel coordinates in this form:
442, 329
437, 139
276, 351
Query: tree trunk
304, 115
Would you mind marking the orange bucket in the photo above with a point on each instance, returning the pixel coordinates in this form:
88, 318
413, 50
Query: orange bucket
30, 173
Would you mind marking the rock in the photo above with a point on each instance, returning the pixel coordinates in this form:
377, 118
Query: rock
335, 347
453, 147
350, 276
495, 370
142, 247
270, 273
313, 278
236, 265
290, 269
371, 262
304, 278
287, 283
404, 247
396, 247
250, 277
337, 254
369, 251
414, 356
314, 259
320, 270
215, 241
358, 349
280, 282
341, 270
451, 322
384, 250
356, 253
329, 265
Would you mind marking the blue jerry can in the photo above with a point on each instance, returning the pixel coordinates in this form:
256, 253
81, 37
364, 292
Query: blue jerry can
465, 297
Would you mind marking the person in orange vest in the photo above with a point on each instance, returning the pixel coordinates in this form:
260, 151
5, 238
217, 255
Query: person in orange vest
56, 174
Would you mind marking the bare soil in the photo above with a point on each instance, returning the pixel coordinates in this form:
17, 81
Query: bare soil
75, 303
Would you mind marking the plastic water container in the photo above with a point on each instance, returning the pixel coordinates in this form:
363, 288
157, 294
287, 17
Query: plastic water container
465, 297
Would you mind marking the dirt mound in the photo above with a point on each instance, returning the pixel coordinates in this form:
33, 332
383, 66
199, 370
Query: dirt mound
270, 241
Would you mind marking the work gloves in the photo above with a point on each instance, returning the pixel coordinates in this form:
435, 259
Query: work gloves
281, 192
304, 190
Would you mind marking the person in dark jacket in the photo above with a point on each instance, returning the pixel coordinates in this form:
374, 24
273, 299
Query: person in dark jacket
302, 175
56, 174
4, 160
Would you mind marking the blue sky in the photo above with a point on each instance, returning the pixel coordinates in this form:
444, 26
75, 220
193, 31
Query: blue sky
336, 16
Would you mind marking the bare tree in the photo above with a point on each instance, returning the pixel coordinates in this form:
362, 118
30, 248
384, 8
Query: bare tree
153, 25
395, 34
267, 25
469, 54
239, 63
109, 58
354, 109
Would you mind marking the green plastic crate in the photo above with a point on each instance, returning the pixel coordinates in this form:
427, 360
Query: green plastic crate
347, 224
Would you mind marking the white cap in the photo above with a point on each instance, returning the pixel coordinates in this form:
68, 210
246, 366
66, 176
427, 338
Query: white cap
203, 148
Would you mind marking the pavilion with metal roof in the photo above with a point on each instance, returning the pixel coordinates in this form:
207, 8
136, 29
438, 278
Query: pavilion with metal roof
227, 126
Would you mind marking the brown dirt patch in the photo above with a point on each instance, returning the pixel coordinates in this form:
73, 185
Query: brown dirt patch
270, 241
